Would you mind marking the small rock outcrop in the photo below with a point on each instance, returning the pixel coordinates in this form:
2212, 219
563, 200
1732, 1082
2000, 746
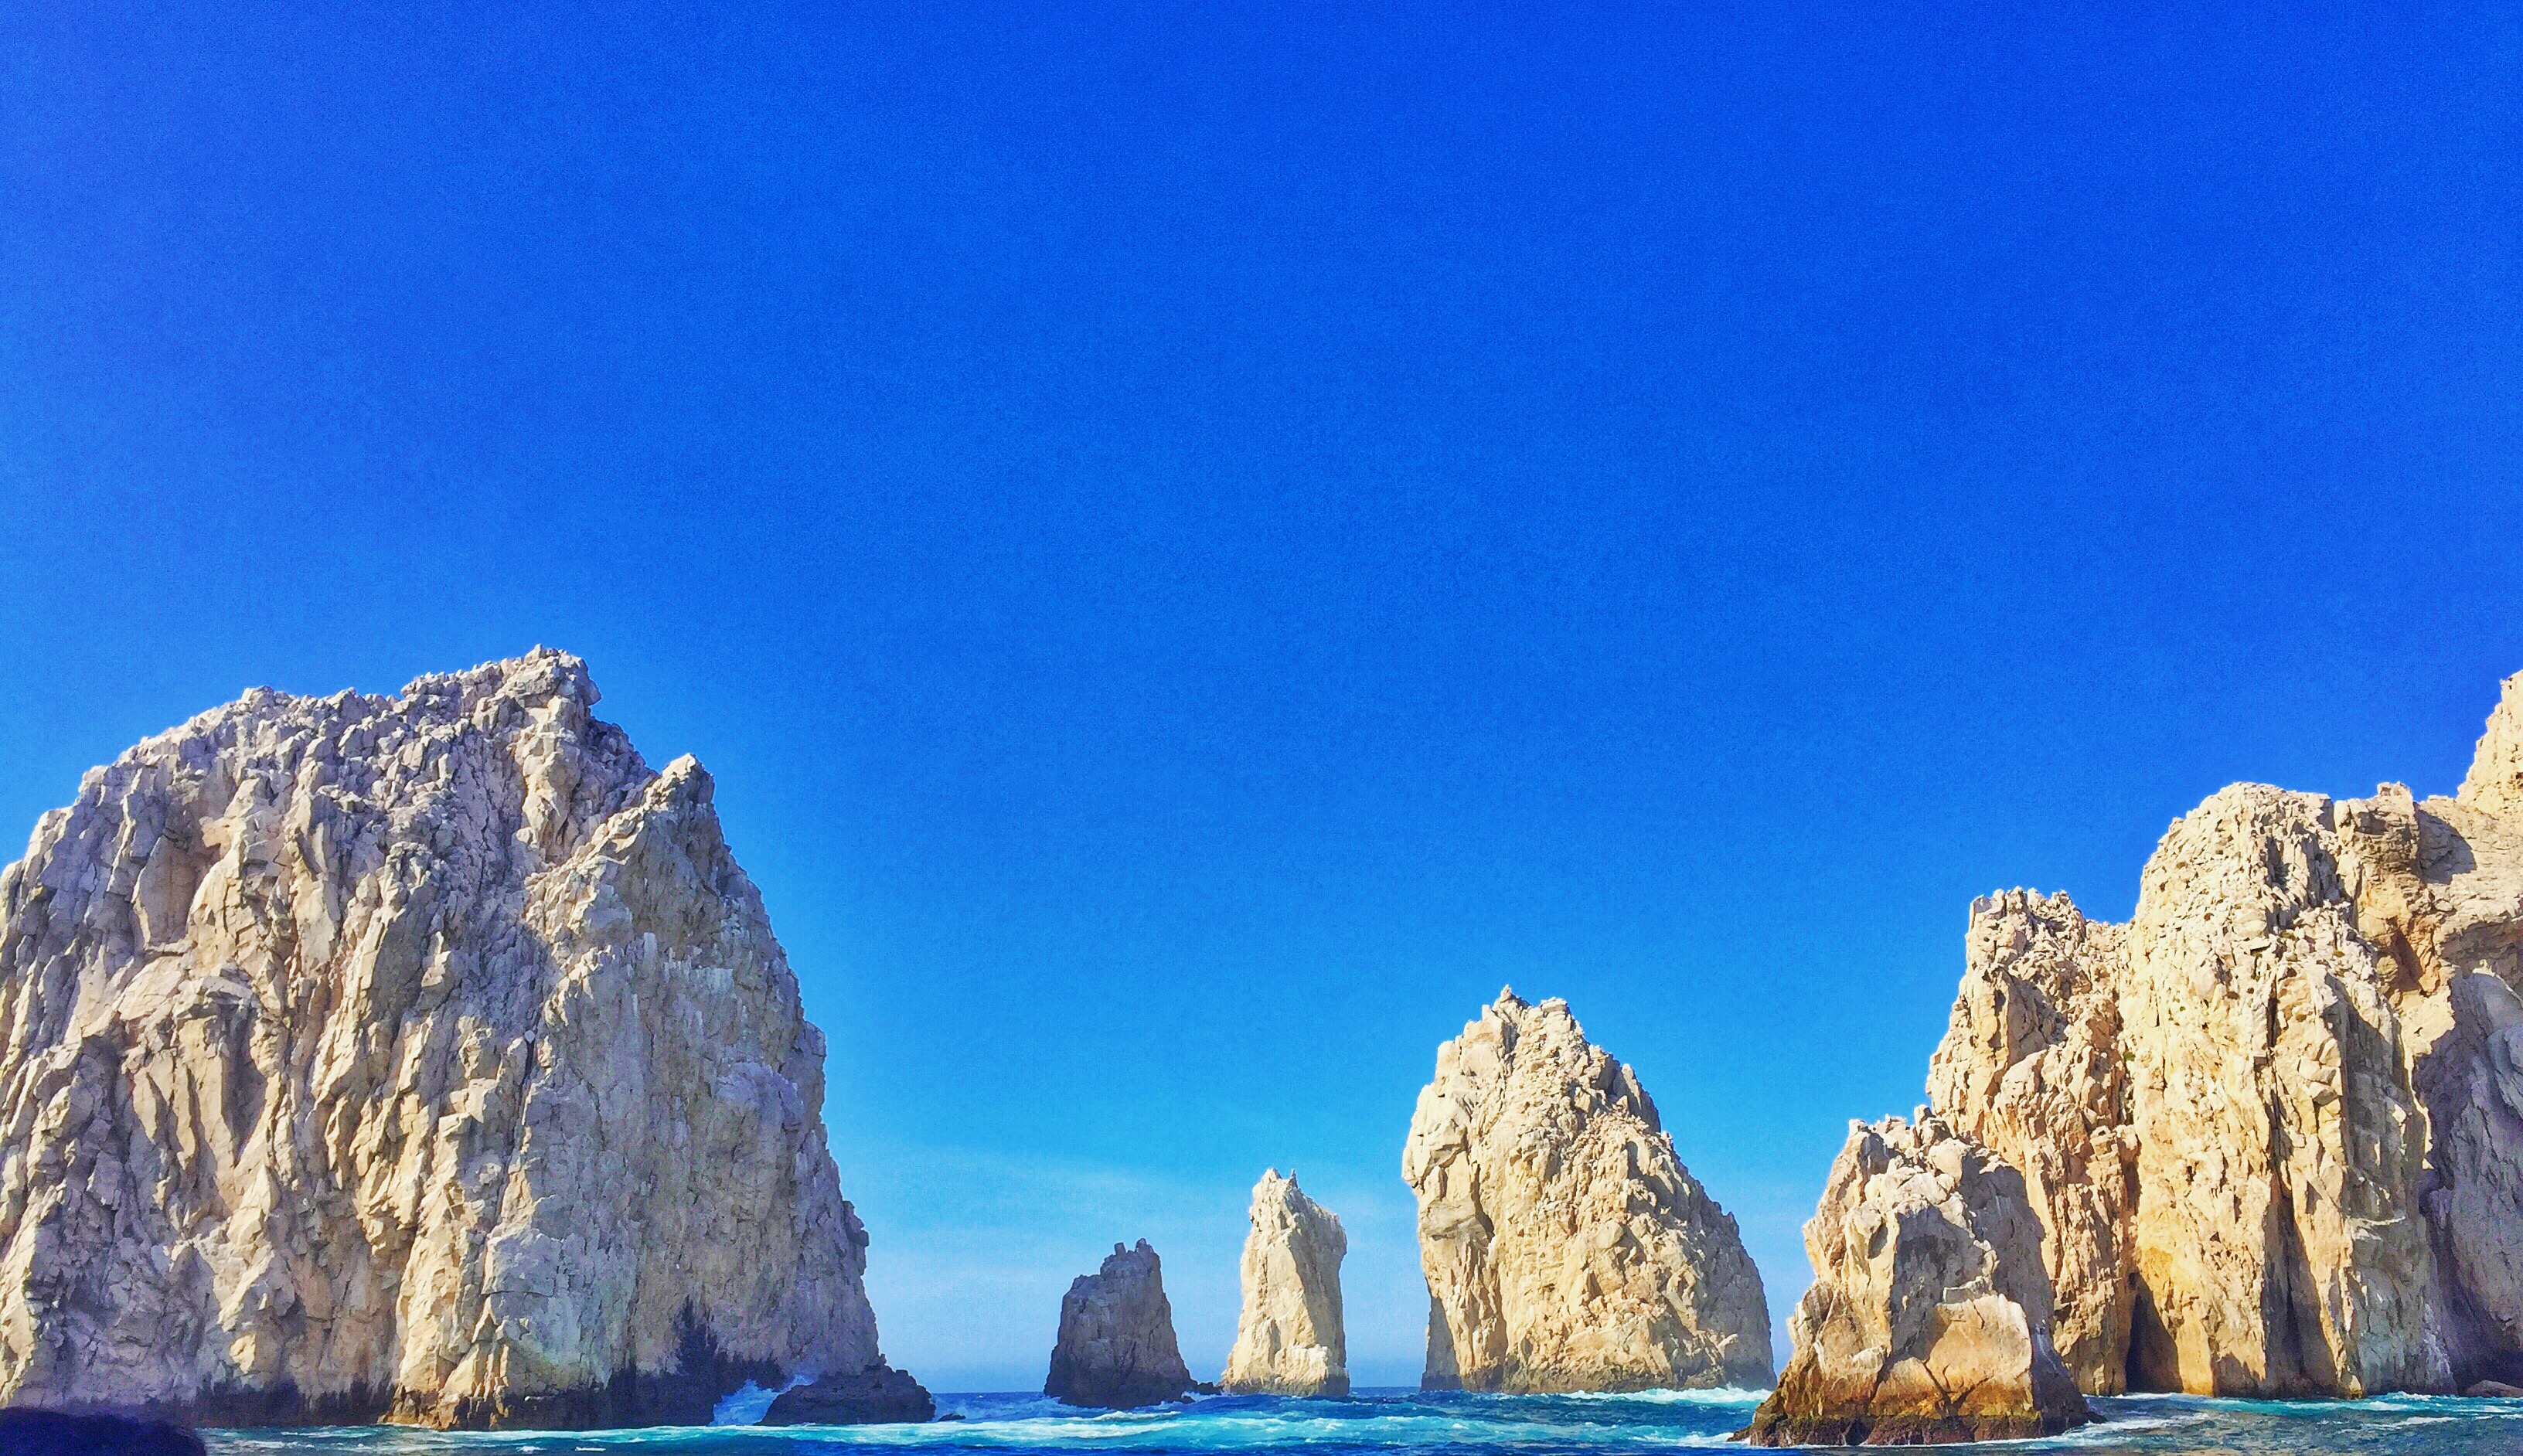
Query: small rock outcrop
1565, 1245
2273, 1127
1928, 1319
1289, 1340
424, 1057
878, 1395
1116, 1336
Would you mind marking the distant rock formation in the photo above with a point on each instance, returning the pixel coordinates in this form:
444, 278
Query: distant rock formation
1928, 1319
1289, 1340
878, 1395
425, 1056
1565, 1247
1116, 1336
2273, 1127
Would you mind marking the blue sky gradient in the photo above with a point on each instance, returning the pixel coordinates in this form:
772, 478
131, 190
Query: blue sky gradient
1198, 544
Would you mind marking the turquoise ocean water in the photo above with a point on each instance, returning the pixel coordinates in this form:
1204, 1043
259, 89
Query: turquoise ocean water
1407, 1423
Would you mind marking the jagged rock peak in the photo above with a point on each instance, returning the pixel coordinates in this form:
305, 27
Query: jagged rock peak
1928, 1319
2495, 783
2030, 1067
1289, 1340
423, 1055
1116, 1336
1565, 1245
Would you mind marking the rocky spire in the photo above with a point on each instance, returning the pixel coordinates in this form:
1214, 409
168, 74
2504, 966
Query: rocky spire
1116, 1336
1565, 1245
1289, 1340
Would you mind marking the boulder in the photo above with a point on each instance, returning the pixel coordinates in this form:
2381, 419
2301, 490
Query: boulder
27, 1431
1565, 1247
878, 1395
1288, 1341
1116, 1336
425, 1056
1928, 1319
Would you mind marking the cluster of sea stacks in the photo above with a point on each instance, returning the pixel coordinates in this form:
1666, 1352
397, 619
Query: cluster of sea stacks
429, 1059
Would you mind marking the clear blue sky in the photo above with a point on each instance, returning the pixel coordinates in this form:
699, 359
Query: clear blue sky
1199, 542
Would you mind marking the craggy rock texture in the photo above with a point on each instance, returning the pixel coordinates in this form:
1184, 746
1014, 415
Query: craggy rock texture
1928, 1319
2282, 1109
425, 1056
878, 1395
1116, 1336
2030, 1068
1565, 1247
1289, 1340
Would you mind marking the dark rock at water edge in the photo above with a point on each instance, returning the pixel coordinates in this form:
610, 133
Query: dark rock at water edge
1116, 1345
35, 1432
877, 1395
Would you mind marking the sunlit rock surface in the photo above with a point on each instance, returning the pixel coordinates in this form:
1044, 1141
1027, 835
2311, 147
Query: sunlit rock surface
1289, 1338
1565, 1247
425, 1056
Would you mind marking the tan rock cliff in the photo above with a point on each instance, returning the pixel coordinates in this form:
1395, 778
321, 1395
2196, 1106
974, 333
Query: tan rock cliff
1565, 1245
1289, 1340
425, 1056
1928, 1319
2282, 1109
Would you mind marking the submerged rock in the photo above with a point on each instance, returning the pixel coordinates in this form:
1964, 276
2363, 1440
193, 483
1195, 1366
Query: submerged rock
425, 1056
1565, 1245
1928, 1319
1289, 1340
878, 1395
1116, 1336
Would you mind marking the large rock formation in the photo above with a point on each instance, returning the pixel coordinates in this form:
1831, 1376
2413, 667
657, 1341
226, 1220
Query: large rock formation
2274, 1125
2030, 1067
1565, 1247
1289, 1340
1116, 1336
1928, 1319
424, 1057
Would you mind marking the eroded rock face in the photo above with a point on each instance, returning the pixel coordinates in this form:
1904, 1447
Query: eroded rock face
1116, 1336
1928, 1319
1289, 1340
2030, 1068
2304, 1053
424, 1055
1565, 1247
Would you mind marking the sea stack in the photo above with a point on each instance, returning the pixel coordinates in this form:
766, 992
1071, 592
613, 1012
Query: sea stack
1928, 1319
1289, 1340
1116, 1336
1565, 1245
2273, 1125
423, 1057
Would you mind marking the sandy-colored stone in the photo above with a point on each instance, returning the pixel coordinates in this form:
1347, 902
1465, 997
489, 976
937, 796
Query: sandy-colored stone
2030, 1068
1928, 1319
1289, 1340
2282, 1109
1116, 1336
424, 1055
1565, 1245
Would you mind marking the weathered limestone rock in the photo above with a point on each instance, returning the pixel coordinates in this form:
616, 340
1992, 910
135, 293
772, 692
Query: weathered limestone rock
878, 1395
2274, 1125
424, 1055
1928, 1319
1289, 1340
1565, 1247
1116, 1336
2030, 1068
